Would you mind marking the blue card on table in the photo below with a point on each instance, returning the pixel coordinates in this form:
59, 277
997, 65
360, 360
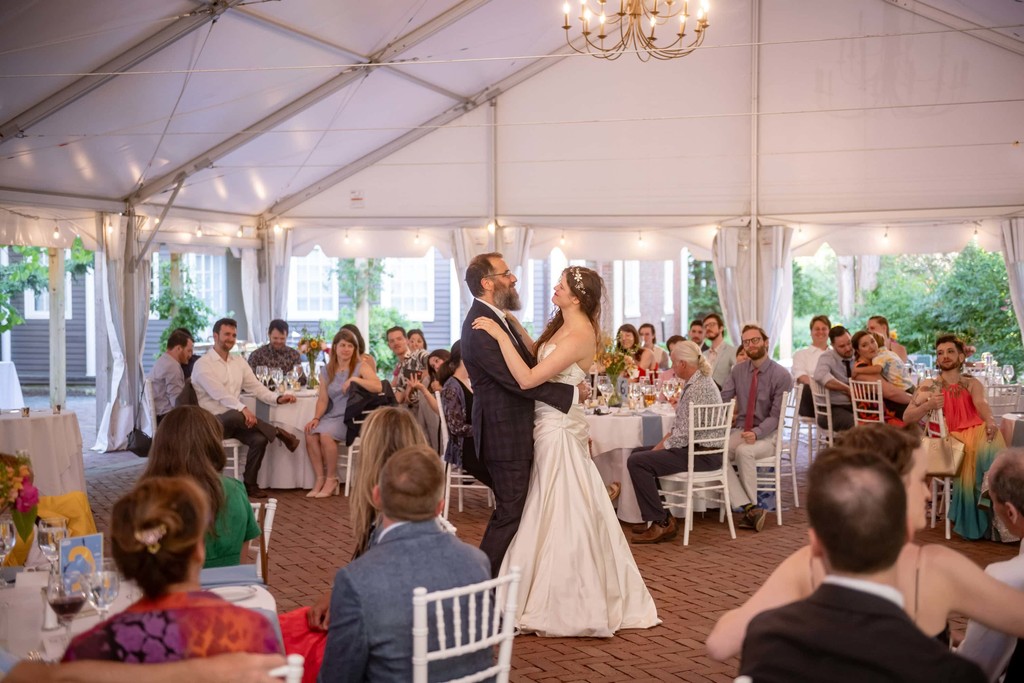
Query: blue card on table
81, 554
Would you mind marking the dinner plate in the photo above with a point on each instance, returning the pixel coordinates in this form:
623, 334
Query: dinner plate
235, 593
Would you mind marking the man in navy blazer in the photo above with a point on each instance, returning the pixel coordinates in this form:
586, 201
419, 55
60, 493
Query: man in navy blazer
502, 411
370, 636
853, 627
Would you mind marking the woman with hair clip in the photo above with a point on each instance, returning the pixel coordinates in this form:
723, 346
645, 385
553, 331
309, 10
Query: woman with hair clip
344, 368
157, 535
569, 534
188, 444
935, 580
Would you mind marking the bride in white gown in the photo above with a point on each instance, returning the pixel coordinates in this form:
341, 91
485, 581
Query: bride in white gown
578, 574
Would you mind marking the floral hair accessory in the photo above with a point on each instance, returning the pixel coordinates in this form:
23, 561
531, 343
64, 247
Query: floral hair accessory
578, 279
151, 538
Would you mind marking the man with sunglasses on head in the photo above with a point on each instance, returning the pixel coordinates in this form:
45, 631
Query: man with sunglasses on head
757, 386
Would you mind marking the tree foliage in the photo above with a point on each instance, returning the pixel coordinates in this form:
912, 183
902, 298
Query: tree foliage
182, 309
359, 279
31, 271
703, 289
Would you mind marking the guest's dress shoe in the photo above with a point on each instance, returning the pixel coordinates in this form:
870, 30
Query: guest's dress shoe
255, 492
658, 533
638, 528
753, 519
290, 441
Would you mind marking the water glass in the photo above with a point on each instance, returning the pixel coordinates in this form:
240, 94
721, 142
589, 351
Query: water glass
104, 585
49, 533
8, 539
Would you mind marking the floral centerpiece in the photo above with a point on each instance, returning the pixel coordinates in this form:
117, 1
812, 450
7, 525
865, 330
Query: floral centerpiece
616, 364
310, 346
17, 491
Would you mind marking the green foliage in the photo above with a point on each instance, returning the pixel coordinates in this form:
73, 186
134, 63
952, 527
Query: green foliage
703, 292
182, 309
359, 278
32, 271
381, 319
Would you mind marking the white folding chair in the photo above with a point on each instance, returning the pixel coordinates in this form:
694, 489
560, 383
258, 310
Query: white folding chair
867, 402
1002, 398
935, 425
265, 520
447, 526
802, 420
147, 395
475, 625
455, 477
709, 427
769, 469
233, 452
292, 671
822, 413
346, 461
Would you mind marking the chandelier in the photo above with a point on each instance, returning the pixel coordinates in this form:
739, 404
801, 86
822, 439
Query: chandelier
649, 28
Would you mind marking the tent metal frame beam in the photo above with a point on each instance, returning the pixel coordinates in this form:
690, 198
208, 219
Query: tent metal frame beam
483, 97
344, 51
141, 51
958, 23
206, 159
12, 195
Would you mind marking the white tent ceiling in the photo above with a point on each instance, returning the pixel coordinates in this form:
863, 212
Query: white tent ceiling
869, 113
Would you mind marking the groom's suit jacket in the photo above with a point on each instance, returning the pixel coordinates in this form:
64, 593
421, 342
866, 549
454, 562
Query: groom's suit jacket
502, 411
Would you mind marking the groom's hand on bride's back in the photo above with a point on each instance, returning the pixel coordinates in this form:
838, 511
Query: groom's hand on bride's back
584, 388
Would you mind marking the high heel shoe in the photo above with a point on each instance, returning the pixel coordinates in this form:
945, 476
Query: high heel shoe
315, 491
329, 489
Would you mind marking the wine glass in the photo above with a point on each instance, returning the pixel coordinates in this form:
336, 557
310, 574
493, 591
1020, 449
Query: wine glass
262, 372
8, 539
291, 379
104, 584
1008, 373
66, 595
49, 533
277, 378
604, 385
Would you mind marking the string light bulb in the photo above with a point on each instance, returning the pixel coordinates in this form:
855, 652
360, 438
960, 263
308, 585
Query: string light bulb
886, 235
562, 239
640, 238
277, 228
199, 231
56, 230
346, 237
417, 239
490, 228
239, 232
110, 228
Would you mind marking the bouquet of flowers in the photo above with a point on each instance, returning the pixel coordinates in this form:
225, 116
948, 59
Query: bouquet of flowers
615, 361
310, 345
17, 490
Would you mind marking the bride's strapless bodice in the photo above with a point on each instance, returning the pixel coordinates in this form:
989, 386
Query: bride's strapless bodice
571, 375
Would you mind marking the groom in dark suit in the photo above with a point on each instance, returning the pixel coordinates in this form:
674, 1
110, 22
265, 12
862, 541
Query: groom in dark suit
853, 627
502, 412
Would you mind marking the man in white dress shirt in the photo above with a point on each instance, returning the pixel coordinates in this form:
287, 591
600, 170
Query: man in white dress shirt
992, 650
218, 379
167, 378
805, 361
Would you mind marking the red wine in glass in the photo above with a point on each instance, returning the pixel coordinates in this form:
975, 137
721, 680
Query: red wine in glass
67, 606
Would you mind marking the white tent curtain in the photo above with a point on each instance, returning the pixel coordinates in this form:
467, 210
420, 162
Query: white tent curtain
126, 303
467, 243
775, 275
730, 253
252, 296
1013, 255
280, 251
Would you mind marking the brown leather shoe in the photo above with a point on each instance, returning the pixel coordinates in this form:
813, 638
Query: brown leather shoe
255, 492
290, 441
658, 533
638, 528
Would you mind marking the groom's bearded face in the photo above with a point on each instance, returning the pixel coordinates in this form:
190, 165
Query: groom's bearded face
505, 295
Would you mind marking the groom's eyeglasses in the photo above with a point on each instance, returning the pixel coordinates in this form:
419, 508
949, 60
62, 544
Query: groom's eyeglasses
507, 273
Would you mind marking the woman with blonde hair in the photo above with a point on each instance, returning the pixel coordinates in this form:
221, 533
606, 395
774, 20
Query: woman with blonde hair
157, 533
188, 444
344, 368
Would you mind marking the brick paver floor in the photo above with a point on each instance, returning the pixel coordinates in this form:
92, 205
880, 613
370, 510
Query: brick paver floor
691, 585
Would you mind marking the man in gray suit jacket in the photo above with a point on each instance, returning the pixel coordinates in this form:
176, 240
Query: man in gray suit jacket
370, 636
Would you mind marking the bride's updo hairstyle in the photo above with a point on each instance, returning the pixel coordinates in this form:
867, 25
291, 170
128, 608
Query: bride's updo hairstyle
688, 352
588, 287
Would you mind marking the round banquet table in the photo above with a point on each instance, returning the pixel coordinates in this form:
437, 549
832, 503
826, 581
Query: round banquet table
10, 386
53, 443
614, 437
281, 468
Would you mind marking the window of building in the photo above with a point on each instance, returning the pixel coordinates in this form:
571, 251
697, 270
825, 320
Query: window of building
668, 287
631, 289
408, 286
207, 272
313, 287
37, 306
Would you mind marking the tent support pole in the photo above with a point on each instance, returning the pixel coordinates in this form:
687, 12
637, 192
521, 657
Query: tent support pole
58, 329
180, 180
492, 175
754, 310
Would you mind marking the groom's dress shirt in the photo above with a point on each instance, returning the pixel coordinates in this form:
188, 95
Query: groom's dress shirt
219, 383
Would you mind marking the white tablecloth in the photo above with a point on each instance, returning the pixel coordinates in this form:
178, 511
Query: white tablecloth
281, 468
614, 437
53, 442
21, 614
10, 386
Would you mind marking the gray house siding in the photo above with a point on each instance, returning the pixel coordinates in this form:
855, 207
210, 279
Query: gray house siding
30, 341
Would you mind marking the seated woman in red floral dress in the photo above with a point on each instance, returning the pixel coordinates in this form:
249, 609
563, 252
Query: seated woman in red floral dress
157, 531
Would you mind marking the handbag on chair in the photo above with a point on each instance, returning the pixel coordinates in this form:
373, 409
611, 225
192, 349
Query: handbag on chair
945, 455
